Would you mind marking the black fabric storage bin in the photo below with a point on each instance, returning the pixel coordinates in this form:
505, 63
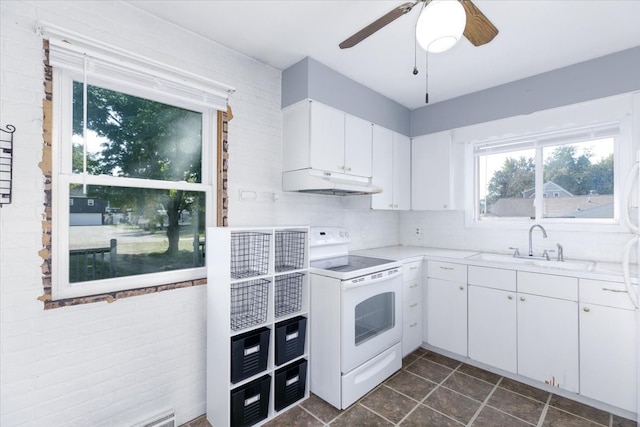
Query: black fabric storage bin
249, 354
290, 336
250, 403
290, 384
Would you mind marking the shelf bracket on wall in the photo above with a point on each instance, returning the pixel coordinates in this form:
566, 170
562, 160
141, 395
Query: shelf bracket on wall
6, 164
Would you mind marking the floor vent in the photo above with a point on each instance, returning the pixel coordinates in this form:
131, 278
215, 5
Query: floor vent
164, 419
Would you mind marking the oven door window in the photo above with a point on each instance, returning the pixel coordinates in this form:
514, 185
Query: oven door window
374, 316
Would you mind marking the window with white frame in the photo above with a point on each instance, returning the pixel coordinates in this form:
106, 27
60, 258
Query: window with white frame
137, 139
560, 176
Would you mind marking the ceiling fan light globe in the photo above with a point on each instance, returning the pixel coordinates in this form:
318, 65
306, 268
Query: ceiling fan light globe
440, 25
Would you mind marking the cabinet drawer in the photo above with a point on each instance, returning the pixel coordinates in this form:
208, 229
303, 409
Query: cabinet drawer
411, 336
495, 278
412, 310
412, 290
611, 294
548, 285
411, 271
447, 271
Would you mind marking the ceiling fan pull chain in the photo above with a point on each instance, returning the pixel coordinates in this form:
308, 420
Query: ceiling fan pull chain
426, 77
415, 49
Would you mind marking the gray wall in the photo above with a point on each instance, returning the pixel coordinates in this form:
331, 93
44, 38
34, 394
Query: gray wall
601, 77
598, 78
312, 79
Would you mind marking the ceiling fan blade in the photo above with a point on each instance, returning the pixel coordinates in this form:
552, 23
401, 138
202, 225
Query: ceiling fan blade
479, 30
377, 24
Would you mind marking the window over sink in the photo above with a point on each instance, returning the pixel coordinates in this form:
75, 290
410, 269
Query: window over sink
558, 175
562, 167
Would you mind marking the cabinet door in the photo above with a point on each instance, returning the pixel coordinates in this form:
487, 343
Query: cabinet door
492, 327
548, 340
431, 172
608, 352
382, 173
357, 149
447, 315
327, 138
401, 172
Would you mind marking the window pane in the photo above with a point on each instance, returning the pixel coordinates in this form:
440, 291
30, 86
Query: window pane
136, 137
578, 180
506, 185
130, 231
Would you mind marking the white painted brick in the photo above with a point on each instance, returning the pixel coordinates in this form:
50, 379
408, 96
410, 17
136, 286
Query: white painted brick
108, 364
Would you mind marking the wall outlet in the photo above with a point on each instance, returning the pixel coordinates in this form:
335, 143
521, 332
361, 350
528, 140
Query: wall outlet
418, 231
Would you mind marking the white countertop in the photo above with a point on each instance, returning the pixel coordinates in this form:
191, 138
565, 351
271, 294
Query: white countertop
603, 270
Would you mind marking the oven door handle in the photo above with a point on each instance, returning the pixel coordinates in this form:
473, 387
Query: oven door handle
369, 279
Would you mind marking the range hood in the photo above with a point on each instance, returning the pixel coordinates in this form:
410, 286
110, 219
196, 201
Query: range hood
330, 183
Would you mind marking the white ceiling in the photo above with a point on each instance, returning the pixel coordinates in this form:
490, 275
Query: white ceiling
535, 36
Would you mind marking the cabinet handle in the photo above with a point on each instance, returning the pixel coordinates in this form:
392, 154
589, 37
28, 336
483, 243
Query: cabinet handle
395, 206
390, 205
415, 304
510, 297
446, 268
586, 309
522, 298
413, 325
462, 288
348, 169
415, 285
413, 268
613, 290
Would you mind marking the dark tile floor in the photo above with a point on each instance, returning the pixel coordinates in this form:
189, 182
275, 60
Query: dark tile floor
433, 390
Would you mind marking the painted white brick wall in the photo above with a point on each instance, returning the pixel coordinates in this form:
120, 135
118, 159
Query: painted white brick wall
115, 364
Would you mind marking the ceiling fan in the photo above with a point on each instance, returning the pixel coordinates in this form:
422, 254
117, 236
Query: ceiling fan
478, 29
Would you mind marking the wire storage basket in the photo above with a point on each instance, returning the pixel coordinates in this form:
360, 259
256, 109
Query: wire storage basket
249, 254
249, 301
288, 293
289, 250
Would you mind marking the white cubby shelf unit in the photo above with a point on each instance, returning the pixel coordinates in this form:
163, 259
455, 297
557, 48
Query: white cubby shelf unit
257, 297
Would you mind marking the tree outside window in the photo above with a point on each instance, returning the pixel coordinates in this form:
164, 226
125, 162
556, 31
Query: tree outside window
157, 227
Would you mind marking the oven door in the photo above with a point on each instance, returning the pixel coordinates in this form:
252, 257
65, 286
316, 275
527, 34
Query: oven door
371, 316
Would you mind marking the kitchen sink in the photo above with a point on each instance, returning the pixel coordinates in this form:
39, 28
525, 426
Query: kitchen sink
537, 262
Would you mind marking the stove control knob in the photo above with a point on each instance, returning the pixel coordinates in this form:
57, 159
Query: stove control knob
342, 234
346, 233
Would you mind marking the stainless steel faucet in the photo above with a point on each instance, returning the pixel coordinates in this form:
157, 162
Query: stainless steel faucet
544, 234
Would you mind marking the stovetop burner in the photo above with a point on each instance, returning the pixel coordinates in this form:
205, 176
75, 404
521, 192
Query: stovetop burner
349, 263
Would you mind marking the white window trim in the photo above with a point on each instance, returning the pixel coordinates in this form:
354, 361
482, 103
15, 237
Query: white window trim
181, 92
562, 119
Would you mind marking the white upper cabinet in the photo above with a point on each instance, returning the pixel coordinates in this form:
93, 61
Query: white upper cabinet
320, 137
327, 138
391, 169
401, 171
357, 146
431, 161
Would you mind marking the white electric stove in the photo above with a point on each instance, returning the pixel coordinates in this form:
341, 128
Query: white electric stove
356, 318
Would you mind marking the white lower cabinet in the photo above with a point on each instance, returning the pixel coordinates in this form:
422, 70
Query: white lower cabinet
492, 317
533, 324
548, 329
446, 306
608, 344
492, 327
412, 306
